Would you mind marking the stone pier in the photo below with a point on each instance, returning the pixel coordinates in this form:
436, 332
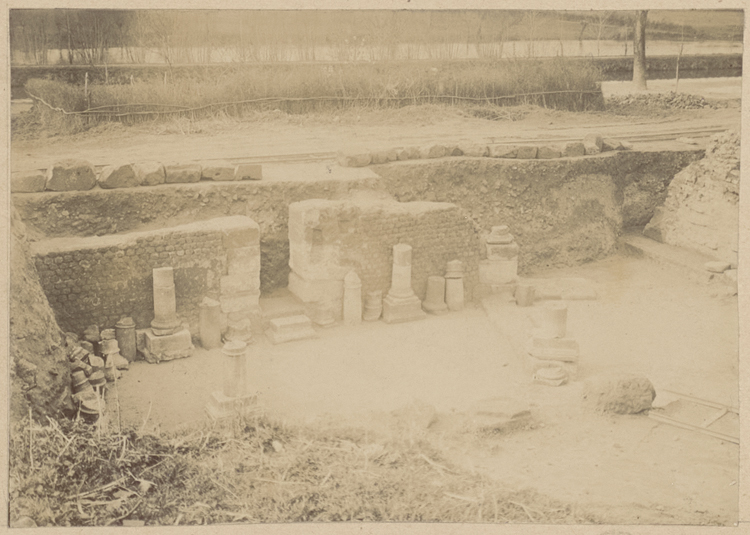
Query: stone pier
236, 397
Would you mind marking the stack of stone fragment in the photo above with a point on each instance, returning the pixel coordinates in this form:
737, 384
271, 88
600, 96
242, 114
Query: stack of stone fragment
553, 357
85, 377
499, 272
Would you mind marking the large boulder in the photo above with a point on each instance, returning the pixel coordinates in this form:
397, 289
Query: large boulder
119, 176
619, 393
150, 173
71, 175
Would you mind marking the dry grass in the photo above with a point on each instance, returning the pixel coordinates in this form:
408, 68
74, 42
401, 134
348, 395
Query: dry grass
306, 88
253, 470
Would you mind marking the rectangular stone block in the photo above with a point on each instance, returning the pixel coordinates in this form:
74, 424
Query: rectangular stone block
220, 171
249, 171
28, 182
526, 153
316, 290
398, 310
503, 151
157, 349
243, 260
290, 328
547, 153
240, 237
220, 406
239, 283
185, 173
239, 302
574, 148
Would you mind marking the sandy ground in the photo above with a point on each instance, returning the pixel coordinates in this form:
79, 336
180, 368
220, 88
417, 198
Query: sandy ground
649, 318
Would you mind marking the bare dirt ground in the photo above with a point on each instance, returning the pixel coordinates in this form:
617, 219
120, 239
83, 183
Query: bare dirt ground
649, 318
271, 134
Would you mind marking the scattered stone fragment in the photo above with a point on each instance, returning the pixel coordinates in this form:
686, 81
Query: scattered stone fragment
71, 175
592, 144
619, 393
717, 267
249, 171
33, 182
183, 173
454, 151
219, 171
500, 415
150, 173
574, 148
526, 153
118, 176
548, 153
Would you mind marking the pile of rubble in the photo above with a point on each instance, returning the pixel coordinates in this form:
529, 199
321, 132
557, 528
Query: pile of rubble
657, 101
95, 361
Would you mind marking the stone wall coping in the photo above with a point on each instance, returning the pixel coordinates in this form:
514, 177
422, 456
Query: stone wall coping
69, 244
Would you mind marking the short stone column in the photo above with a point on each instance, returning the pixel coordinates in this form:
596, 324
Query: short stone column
210, 323
373, 306
434, 302
125, 335
454, 285
552, 320
235, 397
352, 299
401, 304
165, 305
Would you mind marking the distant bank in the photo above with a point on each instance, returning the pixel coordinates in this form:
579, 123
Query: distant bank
612, 69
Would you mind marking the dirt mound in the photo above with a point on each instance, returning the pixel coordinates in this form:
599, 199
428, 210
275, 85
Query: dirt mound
701, 211
39, 367
625, 104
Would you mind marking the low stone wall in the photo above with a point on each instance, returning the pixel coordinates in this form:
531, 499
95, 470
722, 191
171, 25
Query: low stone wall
562, 212
330, 238
99, 280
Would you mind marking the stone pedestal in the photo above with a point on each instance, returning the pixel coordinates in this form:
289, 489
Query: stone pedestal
239, 328
169, 347
165, 306
373, 306
454, 285
210, 323
125, 335
290, 328
401, 304
434, 302
235, 398
352, 299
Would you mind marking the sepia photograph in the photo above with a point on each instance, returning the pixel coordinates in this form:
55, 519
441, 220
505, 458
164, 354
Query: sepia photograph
296, 266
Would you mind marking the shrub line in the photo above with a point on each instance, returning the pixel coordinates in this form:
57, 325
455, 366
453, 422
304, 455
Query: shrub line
99, 110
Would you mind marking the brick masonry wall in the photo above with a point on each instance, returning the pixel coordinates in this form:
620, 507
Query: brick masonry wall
98, 280
328, 238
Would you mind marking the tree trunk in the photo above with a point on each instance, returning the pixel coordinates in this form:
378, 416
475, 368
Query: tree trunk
639, 51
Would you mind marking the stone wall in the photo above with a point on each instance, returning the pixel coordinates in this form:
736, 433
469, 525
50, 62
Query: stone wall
330, 238
552, 223
701, 209
98, 280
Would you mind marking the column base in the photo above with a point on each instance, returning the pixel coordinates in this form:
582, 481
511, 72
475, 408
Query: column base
399, 309
157, 349
220, 406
